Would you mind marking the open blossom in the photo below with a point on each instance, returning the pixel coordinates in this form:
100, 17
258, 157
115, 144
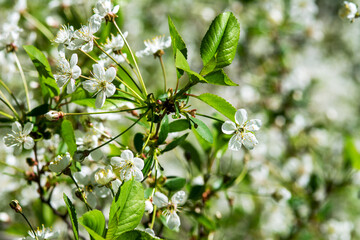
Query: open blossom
84, 37
65, 35
20, 137
101, 84
104, 176
178, 199
155, 46
60, 163
68, 72
10, 34
43, 234
242, 130
348, 10
105, 10
128, 166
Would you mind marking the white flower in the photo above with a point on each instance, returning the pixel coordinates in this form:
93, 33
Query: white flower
84, 37
281, 194
69, 71
149, 206
43, 234
101, 84
115, 44
348, 10
104, 176
20, 137
53, 115
128, 166
172, 219
242, 130
10, 33
105, 10
65, 35
337, 230
60, 163
154, 46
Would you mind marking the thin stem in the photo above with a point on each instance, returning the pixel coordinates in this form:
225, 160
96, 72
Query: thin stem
78, 188
91, 113
88, 55
148, 138
112, 139
133, 57
32, 229
24, 81
6, 102
164, 73
11, 93
242, 175
153, 218
6, 115
120, 90
41, 27
213, 118
82, 76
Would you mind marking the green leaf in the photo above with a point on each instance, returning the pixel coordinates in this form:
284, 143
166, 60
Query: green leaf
139, 142
220, 41
72, 214
67, 133
175, 143
48, 84
219, 78
179, 125
94, 223
202, 130
136, 235
164, 130
39, 110
351, 154
181, 63
177, 43
219, 104
175, 183
192, 154
147, 164
109, 103
126, 211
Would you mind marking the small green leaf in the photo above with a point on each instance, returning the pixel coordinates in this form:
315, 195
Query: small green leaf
94, 223
179, 125
219, 104
181, 63
220, 41
351, 154
175, 183
164, 130
67, 133
147, 164
202, 130
219, 78
139, 142
126, 211
175, 143
192, 154
72, 214
48, 84
39, 110
136, 235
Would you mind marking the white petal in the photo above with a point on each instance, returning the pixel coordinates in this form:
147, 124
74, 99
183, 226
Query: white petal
249, 140
240, 116
138, 175
116, 9
18, 149
16, 127
27, 128
10, 140
71, 87
173, 221
235, 143
73, 60
116, 161
228, 127
98, 71
88, 47
179, 197
110, 89
91, 85
91, 199
29, 143
253, 125
149, 206
76, 72
110, 74
100, 99
160, 200
139, 163
127, 155
61, 80
94, 23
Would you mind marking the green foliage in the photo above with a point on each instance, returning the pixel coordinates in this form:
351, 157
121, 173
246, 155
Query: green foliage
72, 214
164, 130
39, 110
219, 104
202, 129
179, 125
94, 223
175, 183
47, 82
67, 133
136, 235
175, 143
181, 63
351, 154
219, 78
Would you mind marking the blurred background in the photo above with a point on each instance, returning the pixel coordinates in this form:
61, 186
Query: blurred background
297, 68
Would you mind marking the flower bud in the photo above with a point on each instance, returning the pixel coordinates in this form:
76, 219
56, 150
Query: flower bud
14, 204
149, 206
54, 115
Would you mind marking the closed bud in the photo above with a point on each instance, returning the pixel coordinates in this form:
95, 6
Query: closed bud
14, 204
54, 115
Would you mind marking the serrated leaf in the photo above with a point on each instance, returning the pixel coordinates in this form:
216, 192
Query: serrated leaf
181, 63
164, 130
219, 104
136, 235
72, 214
202, 130
177, 43
67, 133
39, 110
220, 41
179, 125
126, 212
94, 223
47, 82
175, 143
219, 78
175, 183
